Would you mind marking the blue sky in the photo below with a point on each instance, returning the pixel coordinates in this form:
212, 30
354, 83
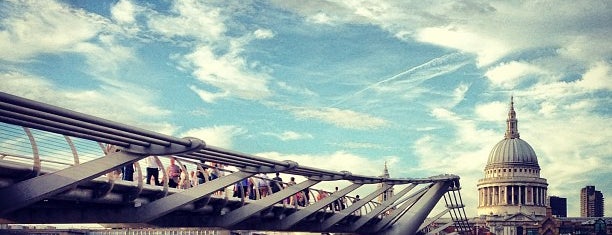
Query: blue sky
341, 85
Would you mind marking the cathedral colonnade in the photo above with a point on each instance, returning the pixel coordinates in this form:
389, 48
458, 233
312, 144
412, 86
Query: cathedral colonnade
500, 195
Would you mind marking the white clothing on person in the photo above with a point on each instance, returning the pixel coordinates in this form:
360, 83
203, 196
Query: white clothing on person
263, 181
151, 162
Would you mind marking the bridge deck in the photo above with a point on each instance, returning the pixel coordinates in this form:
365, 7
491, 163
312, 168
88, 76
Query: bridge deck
54, 174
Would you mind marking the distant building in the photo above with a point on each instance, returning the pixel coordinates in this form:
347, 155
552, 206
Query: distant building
389, 192
512, 195
591, 202
546, 226
558, 206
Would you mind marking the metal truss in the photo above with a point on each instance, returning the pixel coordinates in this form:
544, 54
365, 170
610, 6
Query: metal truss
86, 195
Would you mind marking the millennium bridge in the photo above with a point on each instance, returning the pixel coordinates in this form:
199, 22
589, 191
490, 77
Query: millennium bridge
60, 166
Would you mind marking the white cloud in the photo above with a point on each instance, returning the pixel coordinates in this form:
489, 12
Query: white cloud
216, 58
101, 103
206, 23
321, 18
408, 84
124, 12
508, 75
49, 27
360, 145
443, 114
341, 117
300, 91
587, 48
44, 27
229, 73
290, 135
263, 34
218, 136
38, 88
491, 30
459, 94
488, 48
321, 12
492, 111
106, 57
598, 77
206, 96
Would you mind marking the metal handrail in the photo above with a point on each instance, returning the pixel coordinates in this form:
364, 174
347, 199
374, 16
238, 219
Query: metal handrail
34, 114
74, 117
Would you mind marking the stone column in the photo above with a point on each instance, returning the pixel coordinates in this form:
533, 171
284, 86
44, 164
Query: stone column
498, 201
529, 195
489, 199
507, 202
537, 195
540, 196
534, 195
520, 193
512, 197
502, 195
485, 194
494, 195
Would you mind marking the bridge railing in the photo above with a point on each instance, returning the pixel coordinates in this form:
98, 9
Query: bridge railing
55, 152
130, 144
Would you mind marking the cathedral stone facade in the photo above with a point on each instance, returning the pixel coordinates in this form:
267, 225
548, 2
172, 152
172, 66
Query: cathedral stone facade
512, 195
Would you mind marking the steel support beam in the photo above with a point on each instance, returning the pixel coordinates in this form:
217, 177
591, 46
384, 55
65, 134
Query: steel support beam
338, 216
425, 224
398, 212
379, 209
236, 216
29, 191
412, 220
163, 206
297, 216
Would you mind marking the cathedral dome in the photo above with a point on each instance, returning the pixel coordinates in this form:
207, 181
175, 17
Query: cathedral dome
514, 151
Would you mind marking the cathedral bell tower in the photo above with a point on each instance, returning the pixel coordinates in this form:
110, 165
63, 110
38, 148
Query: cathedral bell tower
389, 193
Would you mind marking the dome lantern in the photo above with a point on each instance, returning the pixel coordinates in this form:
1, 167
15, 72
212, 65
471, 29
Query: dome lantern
512, 150
512, 123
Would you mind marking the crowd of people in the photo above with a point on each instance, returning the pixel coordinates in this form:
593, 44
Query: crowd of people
178, 176
255, 187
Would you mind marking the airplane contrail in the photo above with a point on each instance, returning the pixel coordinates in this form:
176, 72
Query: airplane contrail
431, 62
